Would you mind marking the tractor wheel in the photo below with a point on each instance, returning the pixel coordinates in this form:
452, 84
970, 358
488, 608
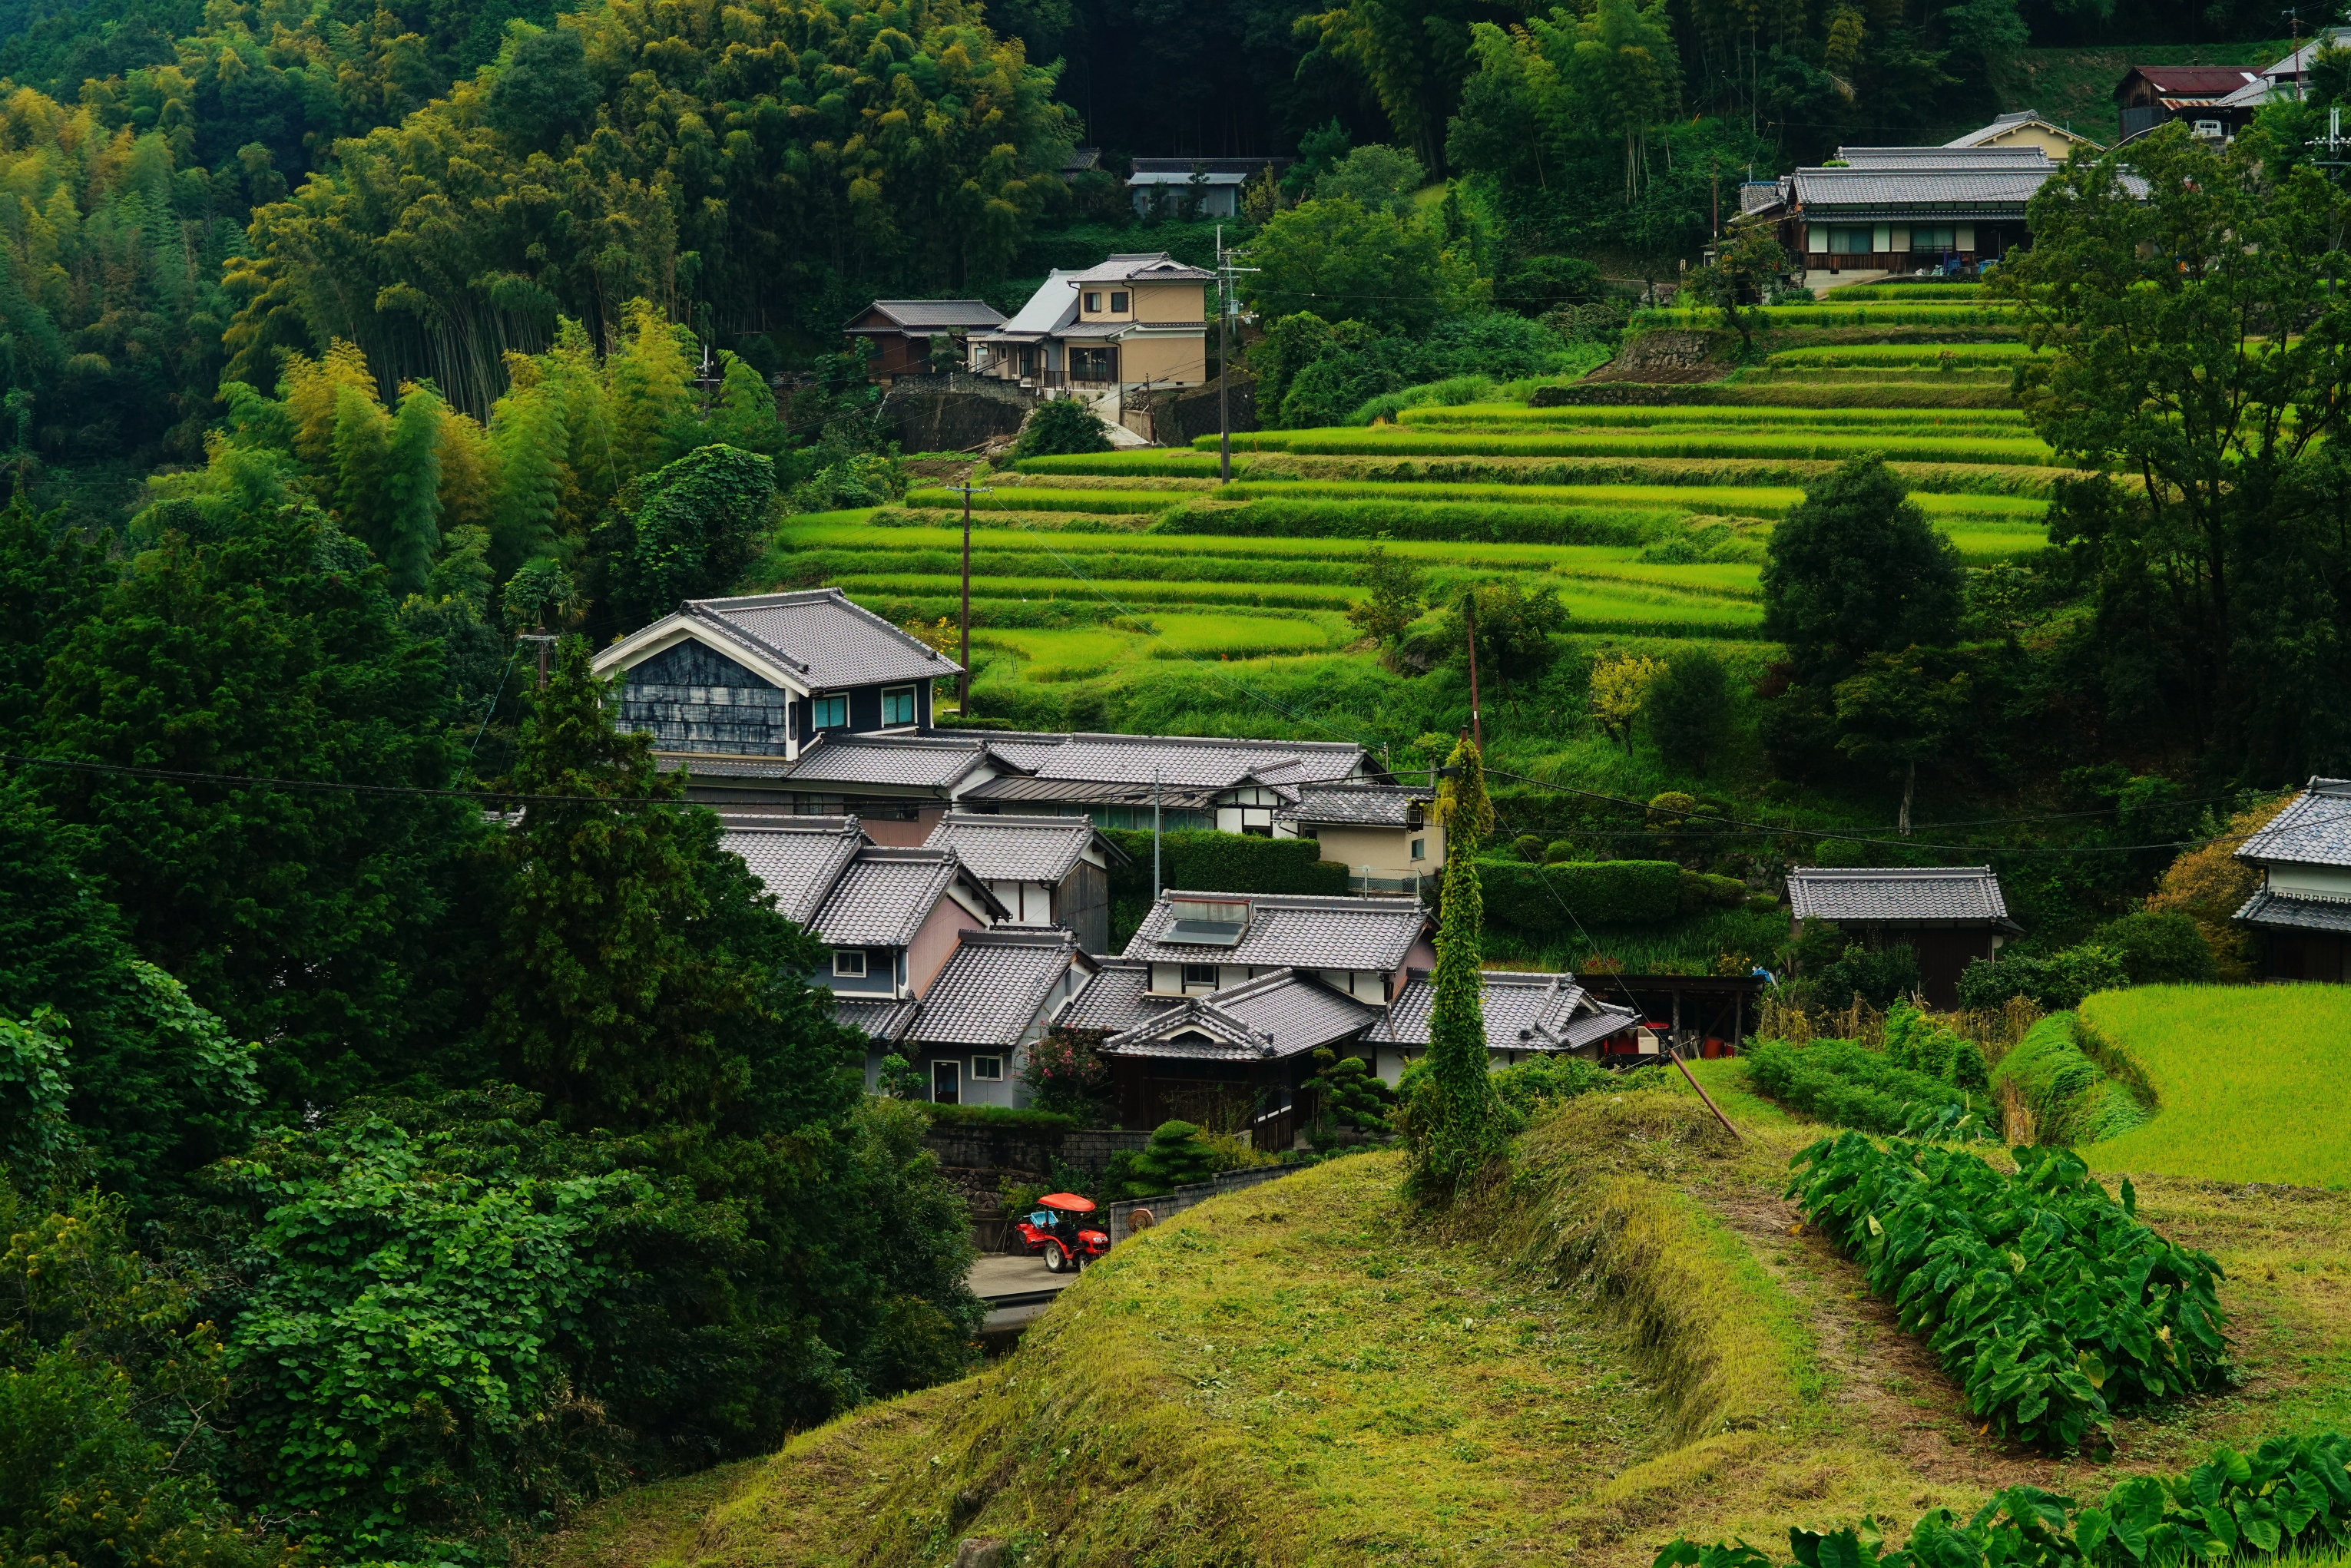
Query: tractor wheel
1054, 1262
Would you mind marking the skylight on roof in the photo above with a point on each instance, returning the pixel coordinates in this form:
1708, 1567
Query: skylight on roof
1204, 922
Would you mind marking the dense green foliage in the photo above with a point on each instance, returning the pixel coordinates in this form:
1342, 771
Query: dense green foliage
1846, 1083
1537, 897
2059, 979
1174, 1158
1063, 427
1452, 1121
2045, 1297
2070, 1097
2288, 1499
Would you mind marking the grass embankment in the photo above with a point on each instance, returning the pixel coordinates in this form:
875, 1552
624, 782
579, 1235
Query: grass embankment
1675, 415
1515, 443
2253, 1084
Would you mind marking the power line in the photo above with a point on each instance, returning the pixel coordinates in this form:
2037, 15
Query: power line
333, 786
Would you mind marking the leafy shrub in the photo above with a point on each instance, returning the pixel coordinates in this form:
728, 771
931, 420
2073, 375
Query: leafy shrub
2071, 1099
2057, 982
1845, 1082
2290, 1498
1036, 1120
2159, 948
1348, 1093
1177, 1155
1917, 1041
1529, 898
1061, 427
1878, 978
1546, 1080
1704, 890
2045, 1297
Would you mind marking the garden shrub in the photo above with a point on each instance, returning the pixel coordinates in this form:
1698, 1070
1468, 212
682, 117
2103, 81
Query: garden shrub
1348, 1093
2057, 982
1704, 890
2160, 946
2046, 1298
1175, 1156
2289, 1499
2071, 1099
1060, 427
1033, 1121
1878, 978
1844, 1082
1529, 898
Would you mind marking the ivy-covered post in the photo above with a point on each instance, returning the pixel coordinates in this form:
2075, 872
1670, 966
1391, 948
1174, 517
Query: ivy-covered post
1458, 1126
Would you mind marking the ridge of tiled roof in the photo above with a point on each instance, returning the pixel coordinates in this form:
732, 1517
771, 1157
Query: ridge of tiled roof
884, 895
991, 990
821, 634
1931, 895
1282, 1013
2280, 911
1018, 848
797, 859
1374, 805
883, 1019
1115, 999
931, 760
2315, 828
1304, 930
917, 314
1523, 1010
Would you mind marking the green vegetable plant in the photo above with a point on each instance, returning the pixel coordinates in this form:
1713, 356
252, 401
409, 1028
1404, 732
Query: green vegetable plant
2049, 1300
1845, 1082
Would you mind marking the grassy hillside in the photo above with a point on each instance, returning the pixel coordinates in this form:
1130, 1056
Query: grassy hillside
2254, 1081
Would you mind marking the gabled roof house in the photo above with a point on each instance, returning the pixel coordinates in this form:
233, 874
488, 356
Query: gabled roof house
1949, 915
1051, 871
2024, 128
1903, 208
2216, 100
1386, 835
901, 331
1130, 320
2302, 911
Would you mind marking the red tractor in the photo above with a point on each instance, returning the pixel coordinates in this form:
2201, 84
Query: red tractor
1055, 1233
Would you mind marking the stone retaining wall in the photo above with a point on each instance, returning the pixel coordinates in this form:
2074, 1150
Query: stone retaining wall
1168, 1205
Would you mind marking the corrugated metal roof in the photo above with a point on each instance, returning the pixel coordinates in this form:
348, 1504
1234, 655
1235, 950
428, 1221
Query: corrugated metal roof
884, 895
1935, 895
831, 642
797, 858
2281, 912
1523, 1010
1297, 929
991, 990
1275, 1015
1359, 805
1016, 848
2314, 829
928, 315
1053, 307
933, 762
2193, 81
884, 1021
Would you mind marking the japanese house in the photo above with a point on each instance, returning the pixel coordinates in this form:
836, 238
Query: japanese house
1213, 185
1045, 871
1384, 834
902, 333
1903, 209
2025, 129
2302, 912
1134, 320
2212, 99
1949, 915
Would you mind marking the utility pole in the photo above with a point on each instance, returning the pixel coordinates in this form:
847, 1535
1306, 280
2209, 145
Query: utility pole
1469, 611
1154, 835
1224, 303
546, 640
963, 682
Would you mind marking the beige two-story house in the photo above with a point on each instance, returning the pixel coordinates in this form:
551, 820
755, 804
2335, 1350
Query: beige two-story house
1133, 320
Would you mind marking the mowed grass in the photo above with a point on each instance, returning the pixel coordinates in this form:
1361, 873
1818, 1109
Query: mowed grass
1401, 441
1508, 415
2254, 1081
1831, 312
1075, 652
1929, 355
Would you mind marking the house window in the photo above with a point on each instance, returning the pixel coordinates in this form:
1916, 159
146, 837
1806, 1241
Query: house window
1420, 849
987, 1070
829, 713
1090, 364
1200, 974
1849, 242
1932, 239
849, 963
898, 704
1093, 303
1117, 303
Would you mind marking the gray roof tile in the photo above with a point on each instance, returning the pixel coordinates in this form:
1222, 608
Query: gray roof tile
884, 1021
831, 642
1934, 896
1088, 791
1359, 805
1523, 1011
993, 988
2275, 910
2314, 829
923, 761
799, 858
1114, 999
1299, 929
884, 895
1829, 192
1018, 848
927, 315
1213, 761
1275, 1015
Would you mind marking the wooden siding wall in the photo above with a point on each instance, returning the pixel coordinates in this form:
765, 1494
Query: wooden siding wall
1083, 904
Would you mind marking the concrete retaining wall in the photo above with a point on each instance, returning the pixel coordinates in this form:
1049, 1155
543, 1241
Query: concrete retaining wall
1166, 1205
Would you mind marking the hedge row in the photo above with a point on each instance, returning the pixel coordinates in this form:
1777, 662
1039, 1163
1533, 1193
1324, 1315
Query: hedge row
1204, 861
1036, 498
1932, 479
2071, 1100
1542, 898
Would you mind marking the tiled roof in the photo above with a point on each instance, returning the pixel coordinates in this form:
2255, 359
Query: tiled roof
1935, 895
832, 642
1275, 1015
1115, 999
702, 765
1359, 805
1018, 848
1209, 165
883, 1020
1018, 787
884, 895
1829, 192
922, 761
935, 315
1523, 1011
992, 989
2003, 124
1759, 196
1154, 267
1949, 156
797, 858
1308, 932
2314, 829
1212, 760
2276, 910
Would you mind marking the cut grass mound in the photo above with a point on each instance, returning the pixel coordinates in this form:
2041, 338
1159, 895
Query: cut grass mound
1422, 443
1510, 415
2253, 1084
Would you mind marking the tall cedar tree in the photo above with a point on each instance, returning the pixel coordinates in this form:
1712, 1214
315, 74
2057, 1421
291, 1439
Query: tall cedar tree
323, 923
605, 999
1457, 1124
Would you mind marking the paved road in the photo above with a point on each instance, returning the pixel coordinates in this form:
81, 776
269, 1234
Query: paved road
997, 1275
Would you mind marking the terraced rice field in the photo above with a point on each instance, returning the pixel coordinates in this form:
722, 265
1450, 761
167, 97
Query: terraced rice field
1648, 517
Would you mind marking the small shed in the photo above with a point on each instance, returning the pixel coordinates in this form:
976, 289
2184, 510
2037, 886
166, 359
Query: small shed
2302, 911
900, 331
1949, 915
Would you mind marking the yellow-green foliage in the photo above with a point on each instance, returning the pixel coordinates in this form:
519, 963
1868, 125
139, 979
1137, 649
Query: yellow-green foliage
2254, 1083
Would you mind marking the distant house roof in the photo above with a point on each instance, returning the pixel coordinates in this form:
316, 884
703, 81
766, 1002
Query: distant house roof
1359, 805
1023, 789
1053, 307
993, 988
1758, 196
797, 859
1141, 267
2314, 829
929, 761
815, 640
1299, 929
884, 895
1020, 848
884, 1020
1208, 165
926, 315
1115, 999
1951, 155
1082, 159
2284, 912
2189, 81
2009, 124
1280, 1014
1935, 895
1523, 1011
1889, 192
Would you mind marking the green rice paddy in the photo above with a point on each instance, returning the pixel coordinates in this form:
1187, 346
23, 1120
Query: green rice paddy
1514, 442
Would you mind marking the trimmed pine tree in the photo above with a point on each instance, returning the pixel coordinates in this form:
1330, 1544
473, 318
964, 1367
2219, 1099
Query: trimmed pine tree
1457, 1126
